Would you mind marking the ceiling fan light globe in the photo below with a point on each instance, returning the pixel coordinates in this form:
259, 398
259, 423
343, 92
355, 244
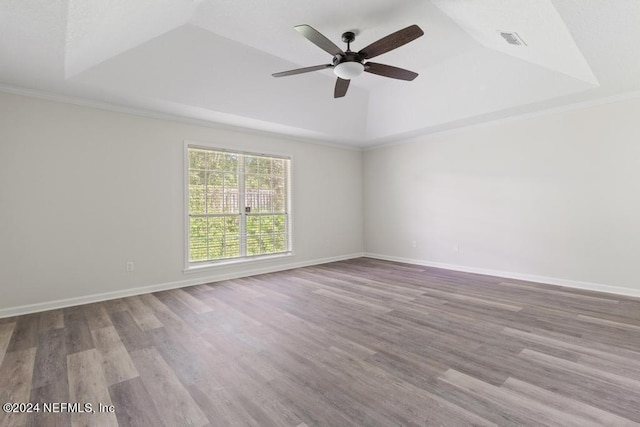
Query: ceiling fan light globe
348, 70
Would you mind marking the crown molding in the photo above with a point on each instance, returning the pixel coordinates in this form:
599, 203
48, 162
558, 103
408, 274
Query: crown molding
365, 144
149, 113
425, 132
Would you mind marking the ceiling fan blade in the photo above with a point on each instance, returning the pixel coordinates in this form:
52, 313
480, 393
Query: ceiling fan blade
315, 37
301, 70
341, 88
392, 41
389, 71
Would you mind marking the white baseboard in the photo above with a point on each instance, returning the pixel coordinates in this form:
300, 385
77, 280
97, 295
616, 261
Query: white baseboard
86, 299
619, 290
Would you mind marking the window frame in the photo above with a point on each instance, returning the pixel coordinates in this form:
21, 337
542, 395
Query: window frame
202, 265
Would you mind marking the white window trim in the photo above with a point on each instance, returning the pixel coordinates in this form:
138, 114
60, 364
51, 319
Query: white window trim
190, 267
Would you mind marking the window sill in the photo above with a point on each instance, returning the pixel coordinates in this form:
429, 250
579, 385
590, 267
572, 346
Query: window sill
196, 268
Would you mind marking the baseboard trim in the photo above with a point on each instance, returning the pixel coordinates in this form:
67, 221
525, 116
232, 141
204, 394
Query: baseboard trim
87, 299
589, 286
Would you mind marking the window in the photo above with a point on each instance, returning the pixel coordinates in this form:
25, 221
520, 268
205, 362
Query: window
238, 205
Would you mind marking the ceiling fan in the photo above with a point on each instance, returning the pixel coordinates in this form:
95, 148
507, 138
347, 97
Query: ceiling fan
348, 64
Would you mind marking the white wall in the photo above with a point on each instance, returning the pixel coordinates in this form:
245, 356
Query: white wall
554, 198
84, 190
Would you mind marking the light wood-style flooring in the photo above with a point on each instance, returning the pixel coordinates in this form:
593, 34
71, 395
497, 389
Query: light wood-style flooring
353, 343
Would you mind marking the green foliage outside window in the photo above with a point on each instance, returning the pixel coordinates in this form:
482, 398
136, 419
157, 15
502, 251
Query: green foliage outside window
232, 192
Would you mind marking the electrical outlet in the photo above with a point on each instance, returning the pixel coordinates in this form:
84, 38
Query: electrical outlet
414, 244
130, 266
456, 248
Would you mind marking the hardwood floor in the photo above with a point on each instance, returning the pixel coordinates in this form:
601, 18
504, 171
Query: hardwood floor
360, 342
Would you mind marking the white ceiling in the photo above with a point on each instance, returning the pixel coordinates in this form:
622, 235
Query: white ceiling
213, 59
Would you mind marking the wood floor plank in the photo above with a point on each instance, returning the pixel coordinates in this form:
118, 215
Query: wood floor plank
77, 332
589, 390
181, 310
173, 402
581, 346
130, 397
87, 385
556, 292
474, 300
588, 414
117, 365
166, 316
258, 390
6, 330
193, 303
597, 320
621, 366
52, 319
53, 392
349, 343
10, 319
398, 291
177, 352
219, 405
16, 373
352, 301
129, 332
51, 361
25, 333
142, 314
329, 283
115, 305
520, 409
579, 368
50, 380
403, 397
97, 316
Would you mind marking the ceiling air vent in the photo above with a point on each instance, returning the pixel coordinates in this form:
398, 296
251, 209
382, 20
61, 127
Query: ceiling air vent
513, 38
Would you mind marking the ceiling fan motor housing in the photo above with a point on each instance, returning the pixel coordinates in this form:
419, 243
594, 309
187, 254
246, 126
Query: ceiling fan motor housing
348, 57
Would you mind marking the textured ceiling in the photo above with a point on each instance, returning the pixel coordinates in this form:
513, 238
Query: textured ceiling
549, 45
213, 59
